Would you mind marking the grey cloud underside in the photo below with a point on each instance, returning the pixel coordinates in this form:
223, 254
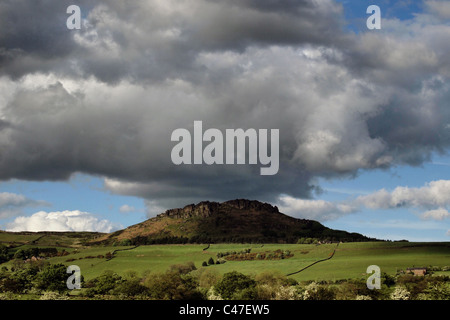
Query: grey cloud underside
157, 41
118, 87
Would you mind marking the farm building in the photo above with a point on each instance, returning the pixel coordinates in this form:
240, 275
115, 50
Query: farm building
417, 271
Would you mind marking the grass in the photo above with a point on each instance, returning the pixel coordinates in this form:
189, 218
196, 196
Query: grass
350, 260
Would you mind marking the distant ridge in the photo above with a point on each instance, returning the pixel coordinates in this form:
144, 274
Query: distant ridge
238, 220
207, 208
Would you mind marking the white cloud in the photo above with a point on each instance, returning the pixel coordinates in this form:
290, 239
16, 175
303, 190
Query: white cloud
153, 208
60, 221
313, 209
126, 208
11, 204
433, 198
437, 214
434, 194
440, 8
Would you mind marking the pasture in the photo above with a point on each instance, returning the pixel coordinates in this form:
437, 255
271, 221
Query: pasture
349, 261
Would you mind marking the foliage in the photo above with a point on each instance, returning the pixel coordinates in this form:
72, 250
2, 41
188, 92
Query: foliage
19, 280
315, 291
24, 254
245, 254
436, 291
172, 286
207, 277
130, 288
304, 240
174, 278
52, 295
400, 293
233, 283
183, 268
52, 277
4, 254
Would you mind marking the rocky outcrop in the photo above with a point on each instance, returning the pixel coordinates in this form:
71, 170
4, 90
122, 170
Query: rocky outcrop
203, 209
207, 208
245, 204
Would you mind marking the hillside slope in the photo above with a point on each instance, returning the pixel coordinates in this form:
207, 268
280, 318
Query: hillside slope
238, 220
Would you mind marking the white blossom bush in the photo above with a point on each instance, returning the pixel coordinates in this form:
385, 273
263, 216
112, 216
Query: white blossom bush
8, 296
400, 293
51, 295
212, 295
310, 290
278, 292
286, 293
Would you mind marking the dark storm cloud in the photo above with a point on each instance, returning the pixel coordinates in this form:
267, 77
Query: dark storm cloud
105, 99
152, 40
33, 36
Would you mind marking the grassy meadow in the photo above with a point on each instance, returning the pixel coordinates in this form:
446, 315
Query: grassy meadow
145, 268
349, 261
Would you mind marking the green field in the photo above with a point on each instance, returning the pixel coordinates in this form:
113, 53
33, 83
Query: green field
350, 260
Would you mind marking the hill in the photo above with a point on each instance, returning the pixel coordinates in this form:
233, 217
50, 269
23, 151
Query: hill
237, 220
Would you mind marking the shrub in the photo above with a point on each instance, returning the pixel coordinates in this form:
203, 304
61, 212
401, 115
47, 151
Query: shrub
212, 294
19, 280
183, 268
315, 291
53, 277
125, 242
250, 293
109, 256
172, 286
8, 296
400, 293
232, 283
106, 282
437, 291
130, 288
211, 261
52, 295
271, 278
207, 277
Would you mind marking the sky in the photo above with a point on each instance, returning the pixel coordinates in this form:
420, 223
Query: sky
86, 115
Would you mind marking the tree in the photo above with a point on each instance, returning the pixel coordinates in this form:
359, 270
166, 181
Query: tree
315, 291
172, 286
232, 283
4, 255
211, 261
130, 287
106, 282
19, 254
52, 277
